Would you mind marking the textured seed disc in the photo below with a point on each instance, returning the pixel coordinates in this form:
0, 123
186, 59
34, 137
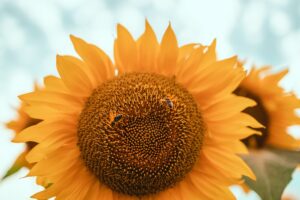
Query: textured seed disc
140, 133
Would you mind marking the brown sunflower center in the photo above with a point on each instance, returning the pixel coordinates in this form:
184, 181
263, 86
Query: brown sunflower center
260, 114
140, 133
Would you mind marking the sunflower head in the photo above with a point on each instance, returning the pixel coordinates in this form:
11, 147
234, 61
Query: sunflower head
275, 108
162, 128
149, 133
22, 122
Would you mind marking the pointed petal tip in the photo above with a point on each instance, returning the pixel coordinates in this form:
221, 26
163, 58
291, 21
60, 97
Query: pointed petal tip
214, 41
258, 132
170, 28
147, 25
169, 33
24, 97
211, 47
252, 176
76, 41
213, 44
285, 71
21, 97
58, 57
232, 60
58, 60
262, 126
36, 196
15, 140
120, 28
73, 38
235, 57
257, 125
122, 32
9, 125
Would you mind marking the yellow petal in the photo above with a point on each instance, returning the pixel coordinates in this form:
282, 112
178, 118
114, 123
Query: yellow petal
94, 190
50, 165
73, 76
77, 190
220, 71
53, 99
210, 56
56, 186
125, 51
168, 53
147, 49
55, 84
228, 75
190, 64
275, 78
228, 107
33, 133
227, 162
211, 190
186, 50
98, 62
40, 151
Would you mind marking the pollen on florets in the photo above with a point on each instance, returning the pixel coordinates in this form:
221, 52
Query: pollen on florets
140, 133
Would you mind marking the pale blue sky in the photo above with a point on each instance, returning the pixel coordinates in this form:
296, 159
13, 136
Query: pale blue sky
32, 32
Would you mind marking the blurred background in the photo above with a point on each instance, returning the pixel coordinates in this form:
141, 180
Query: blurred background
32, 32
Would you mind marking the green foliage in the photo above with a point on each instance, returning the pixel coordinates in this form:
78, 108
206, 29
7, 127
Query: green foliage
14, 169
273, 169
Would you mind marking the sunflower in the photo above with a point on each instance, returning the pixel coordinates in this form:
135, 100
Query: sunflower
22, 122
275, 109
160, 123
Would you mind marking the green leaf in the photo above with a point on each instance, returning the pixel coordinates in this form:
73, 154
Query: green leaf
273, 169
14, 169
18, 164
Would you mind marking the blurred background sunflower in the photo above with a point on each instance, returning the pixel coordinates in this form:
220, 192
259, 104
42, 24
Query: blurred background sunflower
31, 33
275, 109
17, 125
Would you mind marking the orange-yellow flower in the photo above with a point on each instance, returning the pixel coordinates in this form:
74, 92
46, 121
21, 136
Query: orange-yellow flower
22, 122
276, 109
166, 126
